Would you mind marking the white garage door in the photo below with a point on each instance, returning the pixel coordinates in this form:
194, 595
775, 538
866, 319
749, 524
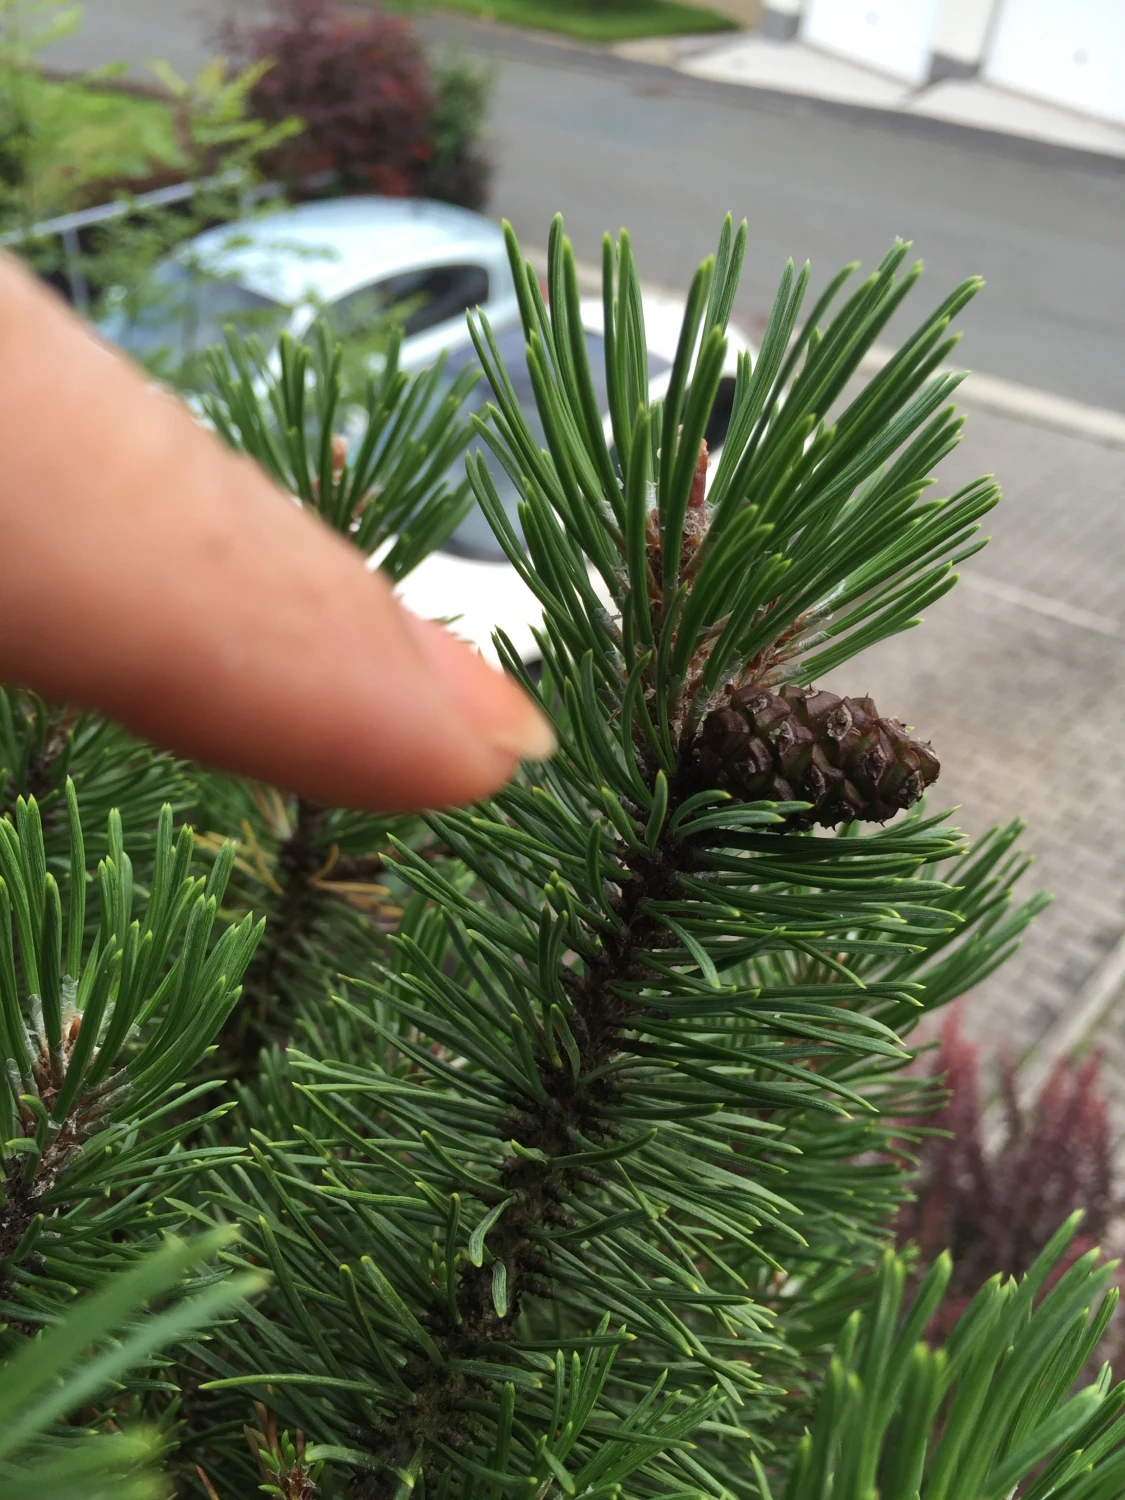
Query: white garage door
1069, 51
894, 36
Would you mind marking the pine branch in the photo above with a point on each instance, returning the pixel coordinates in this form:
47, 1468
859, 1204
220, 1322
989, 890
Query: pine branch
49, 1379
993, 1412
42, 745
625, 1057
290, 924
115, 1024
377, 464
600, 1114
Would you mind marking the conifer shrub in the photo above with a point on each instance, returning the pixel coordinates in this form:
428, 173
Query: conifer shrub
562, 1149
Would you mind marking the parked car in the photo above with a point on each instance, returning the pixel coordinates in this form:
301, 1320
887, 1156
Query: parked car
469, 579
355, 262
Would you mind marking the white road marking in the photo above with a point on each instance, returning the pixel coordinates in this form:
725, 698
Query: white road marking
1043, 604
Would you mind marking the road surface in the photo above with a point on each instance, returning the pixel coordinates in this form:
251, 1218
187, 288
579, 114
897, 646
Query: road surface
610, 142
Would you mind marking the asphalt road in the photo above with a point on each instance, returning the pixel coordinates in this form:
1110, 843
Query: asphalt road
610, 142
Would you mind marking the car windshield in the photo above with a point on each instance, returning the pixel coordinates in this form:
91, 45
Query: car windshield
474, 538
182, 311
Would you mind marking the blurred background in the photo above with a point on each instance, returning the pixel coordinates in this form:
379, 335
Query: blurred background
990, 133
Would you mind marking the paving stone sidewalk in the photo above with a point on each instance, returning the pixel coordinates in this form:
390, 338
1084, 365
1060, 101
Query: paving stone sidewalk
1025, 707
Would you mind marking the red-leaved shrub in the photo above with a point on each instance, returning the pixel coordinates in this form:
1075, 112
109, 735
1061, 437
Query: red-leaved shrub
361, 86
995, 1206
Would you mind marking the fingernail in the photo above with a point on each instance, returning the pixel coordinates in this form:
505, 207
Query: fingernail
494, 706
536, 741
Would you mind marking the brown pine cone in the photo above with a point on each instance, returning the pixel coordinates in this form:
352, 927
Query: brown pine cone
800, 745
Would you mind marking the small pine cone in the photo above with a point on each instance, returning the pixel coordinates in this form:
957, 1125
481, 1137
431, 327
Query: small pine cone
800, 745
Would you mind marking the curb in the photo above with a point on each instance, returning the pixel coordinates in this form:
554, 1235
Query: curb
989, 393
500, 41
1076, 1025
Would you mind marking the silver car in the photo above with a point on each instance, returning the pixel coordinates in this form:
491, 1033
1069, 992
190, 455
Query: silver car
354, 262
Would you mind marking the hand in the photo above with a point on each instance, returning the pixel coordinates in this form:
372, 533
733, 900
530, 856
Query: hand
155, 576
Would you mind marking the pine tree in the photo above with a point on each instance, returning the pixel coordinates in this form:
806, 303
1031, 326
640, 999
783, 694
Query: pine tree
567, 1128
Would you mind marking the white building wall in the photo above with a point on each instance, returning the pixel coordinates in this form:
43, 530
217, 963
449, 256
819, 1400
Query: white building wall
962, 30
1070, 53
1067, 52
894, 36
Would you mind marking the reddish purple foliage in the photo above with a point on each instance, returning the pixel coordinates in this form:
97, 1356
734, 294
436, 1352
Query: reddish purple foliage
361, 86
996, 1206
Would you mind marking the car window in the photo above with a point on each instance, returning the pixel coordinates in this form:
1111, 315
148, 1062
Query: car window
181, 312
435, 295
356, 314
417, 300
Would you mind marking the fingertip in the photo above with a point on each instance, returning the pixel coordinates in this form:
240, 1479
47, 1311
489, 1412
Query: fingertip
493, 706
170, 585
